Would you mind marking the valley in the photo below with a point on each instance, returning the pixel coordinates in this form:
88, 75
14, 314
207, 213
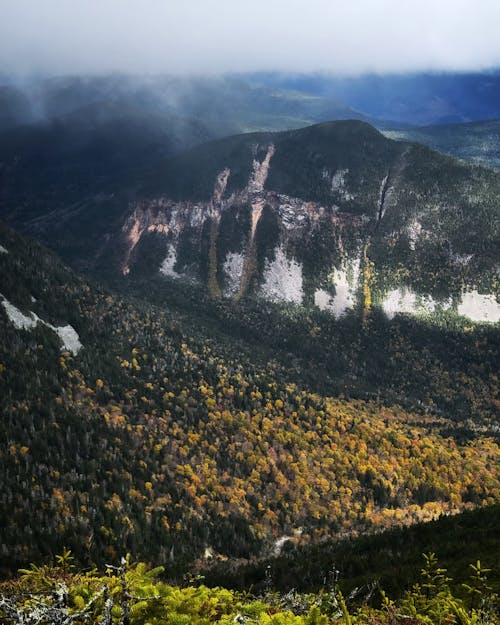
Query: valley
249, 338
181, 439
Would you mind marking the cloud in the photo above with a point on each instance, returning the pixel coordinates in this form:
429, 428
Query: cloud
215, 36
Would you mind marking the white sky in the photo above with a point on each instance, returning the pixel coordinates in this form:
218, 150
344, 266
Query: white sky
212, 36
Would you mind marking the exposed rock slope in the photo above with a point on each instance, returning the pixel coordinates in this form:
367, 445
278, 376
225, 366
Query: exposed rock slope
333, 215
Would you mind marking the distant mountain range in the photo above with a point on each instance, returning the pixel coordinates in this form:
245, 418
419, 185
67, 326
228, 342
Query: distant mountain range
62, 140
478, 142
226, 105
265, 101
415, 99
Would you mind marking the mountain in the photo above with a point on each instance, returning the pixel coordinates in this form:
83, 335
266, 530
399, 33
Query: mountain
63, 140
474, 141
411, 98
15, 107
224, 104
58, 161
331, 245
125, 427
334, 216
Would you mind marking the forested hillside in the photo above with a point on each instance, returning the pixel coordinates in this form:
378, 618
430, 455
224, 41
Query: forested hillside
473, 141
444, 366
144, 436
249, 313
391, 558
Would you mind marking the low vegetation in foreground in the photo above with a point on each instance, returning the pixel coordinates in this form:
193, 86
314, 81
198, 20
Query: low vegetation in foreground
134, 595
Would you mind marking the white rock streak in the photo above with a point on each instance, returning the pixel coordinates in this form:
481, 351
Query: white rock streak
220, 185
405, 301
233, 270
345, 280
19, 319
3, 250
167, 266
414, 232
282, 279
338, 182
255, 189
260, 172
473, 305
67, 334
479, 307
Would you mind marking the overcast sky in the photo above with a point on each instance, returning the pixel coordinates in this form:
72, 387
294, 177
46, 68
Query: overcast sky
200, 36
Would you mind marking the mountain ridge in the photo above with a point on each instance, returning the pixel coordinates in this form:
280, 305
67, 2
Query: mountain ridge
318, 182
336, 211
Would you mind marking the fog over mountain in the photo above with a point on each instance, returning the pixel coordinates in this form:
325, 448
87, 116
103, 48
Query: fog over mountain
212, 36
249, 312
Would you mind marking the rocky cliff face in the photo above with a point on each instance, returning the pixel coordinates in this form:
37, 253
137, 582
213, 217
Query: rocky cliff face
382, 236
248, 241
334, 215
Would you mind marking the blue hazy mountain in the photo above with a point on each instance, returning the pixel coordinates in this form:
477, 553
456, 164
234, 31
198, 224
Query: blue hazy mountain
419, 99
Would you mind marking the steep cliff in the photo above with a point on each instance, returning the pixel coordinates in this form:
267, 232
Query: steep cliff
334, 215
